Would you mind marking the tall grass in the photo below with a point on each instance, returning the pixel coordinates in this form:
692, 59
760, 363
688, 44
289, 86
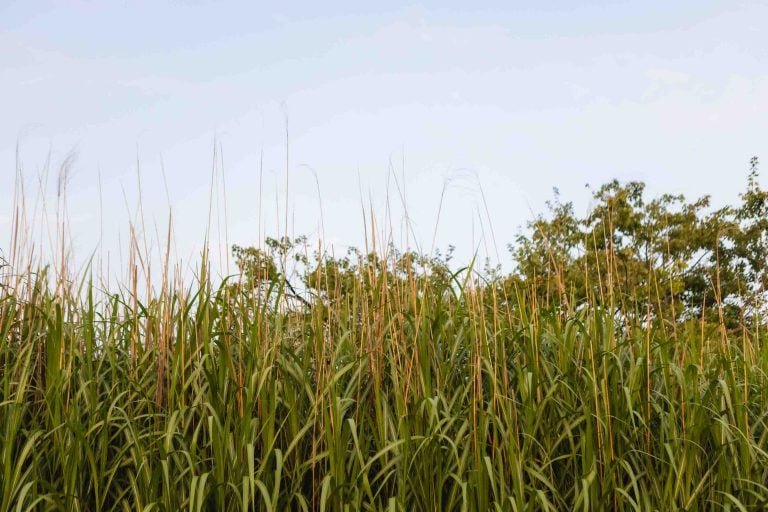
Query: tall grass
404, 393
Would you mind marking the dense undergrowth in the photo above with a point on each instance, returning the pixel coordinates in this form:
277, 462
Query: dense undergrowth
400, 394
389, 381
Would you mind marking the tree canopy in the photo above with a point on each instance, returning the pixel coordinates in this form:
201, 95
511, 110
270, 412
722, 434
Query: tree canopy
668, 257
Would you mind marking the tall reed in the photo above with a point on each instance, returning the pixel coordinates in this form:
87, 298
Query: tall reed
396, 389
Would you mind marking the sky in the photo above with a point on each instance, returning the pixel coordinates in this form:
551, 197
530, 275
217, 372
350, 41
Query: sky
321, 111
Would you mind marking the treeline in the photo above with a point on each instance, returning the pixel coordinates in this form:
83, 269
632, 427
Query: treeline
666, 258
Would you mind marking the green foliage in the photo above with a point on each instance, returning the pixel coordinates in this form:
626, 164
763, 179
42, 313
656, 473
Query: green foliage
390, 381
669, 257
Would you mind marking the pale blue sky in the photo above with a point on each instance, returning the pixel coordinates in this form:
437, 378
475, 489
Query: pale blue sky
519, 97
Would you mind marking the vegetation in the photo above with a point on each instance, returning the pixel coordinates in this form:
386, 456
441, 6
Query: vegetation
621, 366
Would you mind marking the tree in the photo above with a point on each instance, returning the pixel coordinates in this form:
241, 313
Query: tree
672, 258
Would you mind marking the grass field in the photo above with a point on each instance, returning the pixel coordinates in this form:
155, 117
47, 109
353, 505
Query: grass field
395, 385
